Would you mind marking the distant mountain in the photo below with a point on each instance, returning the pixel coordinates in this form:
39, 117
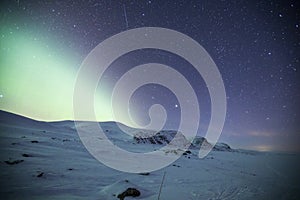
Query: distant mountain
166, 136
199, 141
114, 133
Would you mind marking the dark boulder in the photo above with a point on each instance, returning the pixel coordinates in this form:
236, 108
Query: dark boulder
13, 162
130, 192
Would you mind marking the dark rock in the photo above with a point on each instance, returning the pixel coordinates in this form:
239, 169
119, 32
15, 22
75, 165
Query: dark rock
159, 142
188, 152
144, 173
13, 162
40, 174
162, 137
34, 141
152, 141
26, 155
137, 139
130, 192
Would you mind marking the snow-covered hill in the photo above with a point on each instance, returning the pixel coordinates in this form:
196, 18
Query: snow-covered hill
41, 160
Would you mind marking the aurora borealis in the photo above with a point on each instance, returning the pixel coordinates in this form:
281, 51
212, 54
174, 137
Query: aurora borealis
255, 45
26, 64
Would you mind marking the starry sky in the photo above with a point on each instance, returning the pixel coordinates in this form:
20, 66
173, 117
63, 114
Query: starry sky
255, 44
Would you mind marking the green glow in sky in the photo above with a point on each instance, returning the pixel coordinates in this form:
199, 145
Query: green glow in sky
36, 81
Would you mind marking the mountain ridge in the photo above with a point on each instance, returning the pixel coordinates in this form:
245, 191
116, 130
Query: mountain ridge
139, 136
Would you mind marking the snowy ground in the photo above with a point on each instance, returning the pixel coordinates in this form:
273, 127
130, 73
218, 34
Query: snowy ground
48, 161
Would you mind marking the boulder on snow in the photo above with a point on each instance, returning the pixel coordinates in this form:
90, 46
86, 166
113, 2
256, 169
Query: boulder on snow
114, 190
13, 162
129, 192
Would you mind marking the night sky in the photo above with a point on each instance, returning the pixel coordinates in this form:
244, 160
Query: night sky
255, 44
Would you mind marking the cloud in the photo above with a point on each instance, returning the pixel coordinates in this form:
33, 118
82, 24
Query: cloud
261, 133
232, 133
250, 133
262, 147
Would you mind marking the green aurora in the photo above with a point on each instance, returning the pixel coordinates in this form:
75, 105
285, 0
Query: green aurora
37, 82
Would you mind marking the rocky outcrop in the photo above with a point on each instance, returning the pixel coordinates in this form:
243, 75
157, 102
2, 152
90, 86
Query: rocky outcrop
162, 138
222, 147
199, 142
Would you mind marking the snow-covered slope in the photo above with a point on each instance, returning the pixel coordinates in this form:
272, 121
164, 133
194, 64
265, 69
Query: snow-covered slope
42, 160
